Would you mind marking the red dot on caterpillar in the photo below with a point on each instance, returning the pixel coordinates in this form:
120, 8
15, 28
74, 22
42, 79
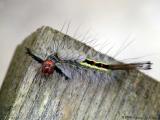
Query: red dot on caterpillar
48, 67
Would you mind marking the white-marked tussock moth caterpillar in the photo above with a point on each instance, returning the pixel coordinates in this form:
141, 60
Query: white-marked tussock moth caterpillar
54, 61
73, 59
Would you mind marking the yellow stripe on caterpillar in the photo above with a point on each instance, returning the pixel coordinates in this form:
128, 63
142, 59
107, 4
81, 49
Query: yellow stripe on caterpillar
92, 66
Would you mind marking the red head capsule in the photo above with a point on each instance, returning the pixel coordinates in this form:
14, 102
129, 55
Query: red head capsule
48, 67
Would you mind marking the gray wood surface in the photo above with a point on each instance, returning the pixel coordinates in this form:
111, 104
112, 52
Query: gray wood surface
90, 95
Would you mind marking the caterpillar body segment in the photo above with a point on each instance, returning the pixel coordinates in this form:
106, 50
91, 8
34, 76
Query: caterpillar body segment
72, 55
126, 66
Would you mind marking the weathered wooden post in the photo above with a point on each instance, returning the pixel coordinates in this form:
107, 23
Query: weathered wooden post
90, 95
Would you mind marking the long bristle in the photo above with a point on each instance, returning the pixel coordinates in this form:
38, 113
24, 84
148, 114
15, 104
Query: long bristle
131, 66
38, 59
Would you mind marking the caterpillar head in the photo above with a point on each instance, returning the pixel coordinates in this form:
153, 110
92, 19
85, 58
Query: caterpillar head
48, 67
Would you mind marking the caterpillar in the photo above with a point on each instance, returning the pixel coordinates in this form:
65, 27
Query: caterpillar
53, 63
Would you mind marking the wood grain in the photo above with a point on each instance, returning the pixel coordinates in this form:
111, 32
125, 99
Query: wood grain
90, 95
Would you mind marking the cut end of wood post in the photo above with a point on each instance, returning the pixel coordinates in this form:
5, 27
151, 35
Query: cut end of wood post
91, 95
